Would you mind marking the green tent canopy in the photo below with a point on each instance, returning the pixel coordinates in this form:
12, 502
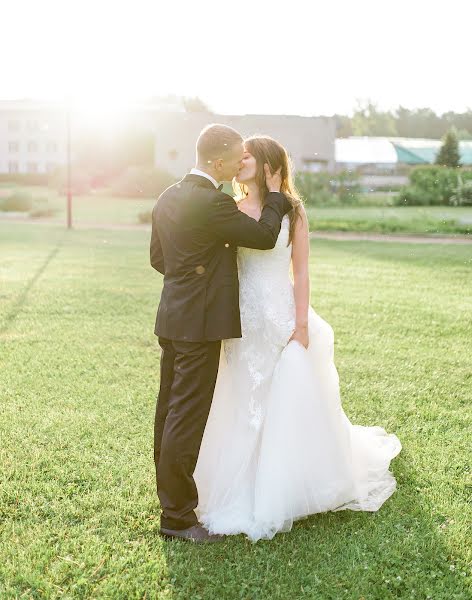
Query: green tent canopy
424, 153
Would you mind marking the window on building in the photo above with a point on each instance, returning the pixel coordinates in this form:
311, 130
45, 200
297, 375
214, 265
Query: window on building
51, 167
51, 147
32, 147
13, 146
32, 125
173, 154
32, 167
13, 125
13, 166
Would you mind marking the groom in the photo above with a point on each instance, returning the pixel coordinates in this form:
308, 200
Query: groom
196, 229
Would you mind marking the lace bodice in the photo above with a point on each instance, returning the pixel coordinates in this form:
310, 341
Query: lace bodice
266, 290
267, 264
267, 308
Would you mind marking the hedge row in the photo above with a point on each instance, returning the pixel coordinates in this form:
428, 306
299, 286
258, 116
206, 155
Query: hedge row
435, 185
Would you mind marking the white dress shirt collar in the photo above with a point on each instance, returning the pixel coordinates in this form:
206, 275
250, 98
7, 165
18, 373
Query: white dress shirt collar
203, 174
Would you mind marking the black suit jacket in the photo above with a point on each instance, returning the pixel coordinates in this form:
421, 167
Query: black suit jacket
195, 233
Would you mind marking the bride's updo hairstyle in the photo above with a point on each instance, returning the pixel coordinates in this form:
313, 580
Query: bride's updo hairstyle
267, 150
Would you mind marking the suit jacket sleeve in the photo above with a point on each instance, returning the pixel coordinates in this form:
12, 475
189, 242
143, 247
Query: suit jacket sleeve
232, 225
157, 258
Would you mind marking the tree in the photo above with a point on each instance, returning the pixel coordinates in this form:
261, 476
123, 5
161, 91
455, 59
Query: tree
420, 123
403, 122
463, 134
461, 121
195, 105
448, 155
343, 126
368, 120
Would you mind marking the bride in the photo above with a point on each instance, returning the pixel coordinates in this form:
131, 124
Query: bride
277, 445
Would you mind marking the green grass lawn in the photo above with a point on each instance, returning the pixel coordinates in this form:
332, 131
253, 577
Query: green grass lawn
92, 208
79, 515
393, 219
100, 208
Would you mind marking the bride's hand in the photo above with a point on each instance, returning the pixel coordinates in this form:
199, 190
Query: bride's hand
273, 180
301, 335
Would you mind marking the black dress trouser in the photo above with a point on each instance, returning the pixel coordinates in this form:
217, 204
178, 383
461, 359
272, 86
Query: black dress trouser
188, 377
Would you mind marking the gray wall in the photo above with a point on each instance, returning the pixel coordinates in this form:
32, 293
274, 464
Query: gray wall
306, 138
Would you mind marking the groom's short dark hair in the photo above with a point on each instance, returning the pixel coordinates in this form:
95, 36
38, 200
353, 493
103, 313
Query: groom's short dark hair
214, 140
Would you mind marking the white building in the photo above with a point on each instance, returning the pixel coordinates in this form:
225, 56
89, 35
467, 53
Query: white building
32, 137
377, 152
356, 151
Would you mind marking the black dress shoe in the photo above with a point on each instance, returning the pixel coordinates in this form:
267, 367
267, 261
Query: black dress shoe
196, 533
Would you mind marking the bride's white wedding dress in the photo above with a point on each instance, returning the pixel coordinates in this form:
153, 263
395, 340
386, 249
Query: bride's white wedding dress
277, 445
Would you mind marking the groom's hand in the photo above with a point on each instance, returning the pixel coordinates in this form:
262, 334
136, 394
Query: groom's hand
273, 180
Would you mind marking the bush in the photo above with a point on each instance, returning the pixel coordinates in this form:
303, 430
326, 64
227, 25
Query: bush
462, 193
142, 182
314, 187
17, 202
25, 178
145, 217
432, 185
347, 187
38, 213
80, 181
328, 189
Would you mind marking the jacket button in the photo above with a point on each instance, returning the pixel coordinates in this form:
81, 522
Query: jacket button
226, 245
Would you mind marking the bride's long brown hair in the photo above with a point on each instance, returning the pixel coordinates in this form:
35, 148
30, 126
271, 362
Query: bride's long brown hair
267, 150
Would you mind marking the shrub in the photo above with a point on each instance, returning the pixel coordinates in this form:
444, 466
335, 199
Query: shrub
432, 185
80, 181
142, 182
347, 187
17, 202
38, 213
145, 217
24, 178
327, 188
462, 193
314, 187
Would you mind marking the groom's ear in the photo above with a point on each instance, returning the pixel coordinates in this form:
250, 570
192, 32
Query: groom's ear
218, 164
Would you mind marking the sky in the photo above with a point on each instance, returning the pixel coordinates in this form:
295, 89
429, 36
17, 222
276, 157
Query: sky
247, 56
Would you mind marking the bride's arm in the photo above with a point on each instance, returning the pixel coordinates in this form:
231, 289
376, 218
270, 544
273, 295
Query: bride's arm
301, 278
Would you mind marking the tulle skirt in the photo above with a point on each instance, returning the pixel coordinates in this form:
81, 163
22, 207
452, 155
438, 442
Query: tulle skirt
303, 456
